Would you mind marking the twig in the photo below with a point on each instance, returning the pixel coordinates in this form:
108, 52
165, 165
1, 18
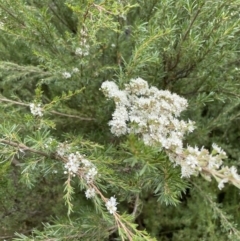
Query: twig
136, 205
73, 116
23, 147
53, 111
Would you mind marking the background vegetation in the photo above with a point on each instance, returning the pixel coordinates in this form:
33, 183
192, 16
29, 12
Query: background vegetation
190, 47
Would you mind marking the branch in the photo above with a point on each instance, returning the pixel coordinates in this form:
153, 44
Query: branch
24, 147
73, 116
53, 112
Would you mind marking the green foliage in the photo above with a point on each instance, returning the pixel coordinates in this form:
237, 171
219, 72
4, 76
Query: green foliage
189, 47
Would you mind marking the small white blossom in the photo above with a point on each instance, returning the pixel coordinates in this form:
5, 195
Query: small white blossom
75, 70
221, 183
78, 51
118, 127
62, 149
111, 205
66, 75
218, 149
36, 109
234, 173
82, 51
90, 193
92, 172
73, 164
86, 162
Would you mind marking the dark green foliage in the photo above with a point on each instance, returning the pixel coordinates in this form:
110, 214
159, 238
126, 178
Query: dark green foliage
188, 47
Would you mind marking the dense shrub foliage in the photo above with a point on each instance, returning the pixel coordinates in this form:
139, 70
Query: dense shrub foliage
119, 120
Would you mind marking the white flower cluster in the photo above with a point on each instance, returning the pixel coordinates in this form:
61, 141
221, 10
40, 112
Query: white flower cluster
150, 112
78, 163
66, 75
48, 142
36, 109
153, 114
194, 160
62, 149
83, 50
90, 193
111, 205
229, 175
75, 70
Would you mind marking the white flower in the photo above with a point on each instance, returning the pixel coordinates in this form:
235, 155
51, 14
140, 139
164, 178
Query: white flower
137, 86
92, 172
62, 149
82, 51
78, 51
36, 110
75, 70
187, 171
111, 205
234, 173
90, 193
73, 164
120, 113
109, 88
66, 75
118, 127
221, 183
218, 149
86, 162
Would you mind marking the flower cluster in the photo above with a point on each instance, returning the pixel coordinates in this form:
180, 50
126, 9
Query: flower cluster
83, 50
75, 70
62, 149
66, 75
194, 160
111, 205
149, 112
228, 175
77, 163
153, 115
90, 193
36, 109
48, 142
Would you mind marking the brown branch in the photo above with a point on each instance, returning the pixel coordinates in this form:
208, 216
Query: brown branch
23, 147
13, 102
53, 112
73, 116
136, 205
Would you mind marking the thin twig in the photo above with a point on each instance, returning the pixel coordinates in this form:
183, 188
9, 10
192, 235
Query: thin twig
136, 205
53, 111
23, 147
73, 116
